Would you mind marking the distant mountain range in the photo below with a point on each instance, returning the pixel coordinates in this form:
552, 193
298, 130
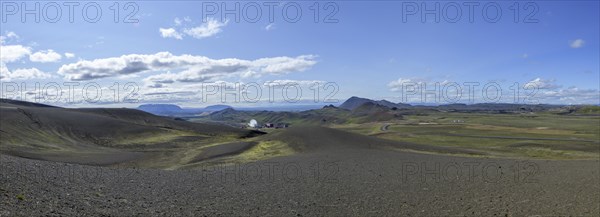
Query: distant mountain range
160, 108
355, 102
362, 110
175, 110
364, 104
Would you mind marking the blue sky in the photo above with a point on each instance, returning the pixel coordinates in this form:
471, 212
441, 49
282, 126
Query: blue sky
370, 51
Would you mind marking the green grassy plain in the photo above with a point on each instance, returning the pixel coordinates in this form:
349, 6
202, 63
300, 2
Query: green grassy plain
544, 135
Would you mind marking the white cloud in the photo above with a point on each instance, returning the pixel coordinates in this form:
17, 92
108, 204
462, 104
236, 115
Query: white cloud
191, 68
11, 53
307, 83
128, 77
542, 84
577, 43
396, 85
209, 28
99, 41
69, 55
209, 70
31, 73
3, 71
12, 35
270, 26
21, 74
45, 56
9, 35
571, 95
284, 65
170, 33
178, 21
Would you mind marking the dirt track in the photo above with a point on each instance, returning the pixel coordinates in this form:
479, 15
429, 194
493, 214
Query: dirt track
384, 127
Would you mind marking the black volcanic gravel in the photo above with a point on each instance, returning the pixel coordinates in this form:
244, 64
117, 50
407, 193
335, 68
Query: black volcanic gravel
354, 182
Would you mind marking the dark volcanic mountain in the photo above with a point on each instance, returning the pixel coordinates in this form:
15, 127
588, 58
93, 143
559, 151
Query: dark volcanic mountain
216, 107
96, 135
370, 112
161, 109
23, 103
366, 112
354, 102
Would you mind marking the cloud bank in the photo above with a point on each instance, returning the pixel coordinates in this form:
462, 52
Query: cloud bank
190, 68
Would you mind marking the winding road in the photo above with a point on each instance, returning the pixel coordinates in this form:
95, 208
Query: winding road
384, 127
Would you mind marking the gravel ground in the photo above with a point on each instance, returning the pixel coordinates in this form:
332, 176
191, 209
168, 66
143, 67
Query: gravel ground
354, 182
